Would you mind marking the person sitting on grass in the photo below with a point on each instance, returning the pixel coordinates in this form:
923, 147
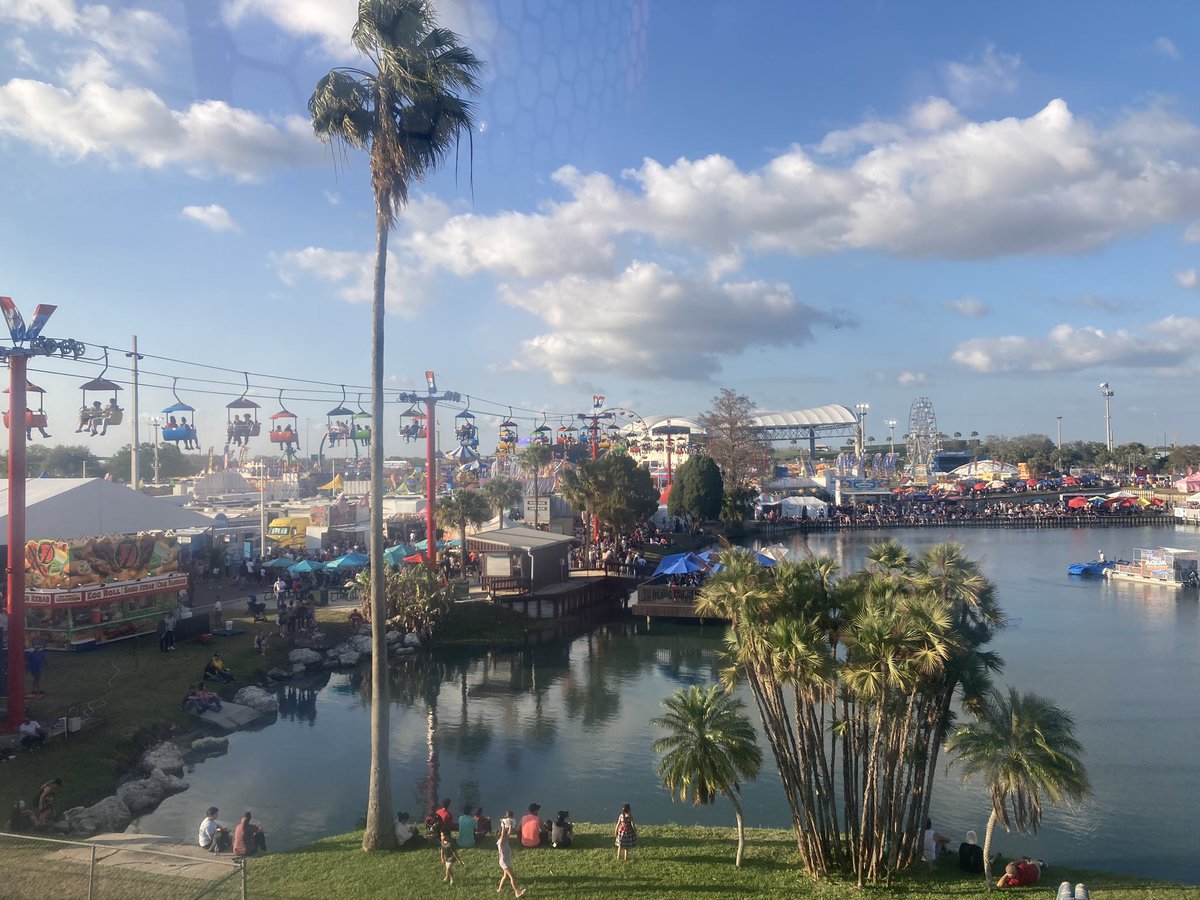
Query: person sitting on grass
970, 855
1020, 873
216, 670
248, 837
934, 843
45, 802
483, 824
21, 818
560, 831
212, 835
200, 699
32, 734
406, 831
533, 832
466, 828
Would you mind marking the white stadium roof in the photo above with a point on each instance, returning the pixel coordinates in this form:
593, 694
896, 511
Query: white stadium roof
831, 415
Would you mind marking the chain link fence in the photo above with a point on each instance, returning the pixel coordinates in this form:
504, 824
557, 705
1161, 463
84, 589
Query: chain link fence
35, 868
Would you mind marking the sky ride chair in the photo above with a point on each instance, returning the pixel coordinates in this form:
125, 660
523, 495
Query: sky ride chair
242, 426
176, 430
33, 418
95, 418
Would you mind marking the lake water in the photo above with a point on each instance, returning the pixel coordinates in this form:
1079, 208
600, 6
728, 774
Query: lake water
567, 725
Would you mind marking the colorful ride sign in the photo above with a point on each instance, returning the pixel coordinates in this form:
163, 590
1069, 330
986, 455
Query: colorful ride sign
62, 565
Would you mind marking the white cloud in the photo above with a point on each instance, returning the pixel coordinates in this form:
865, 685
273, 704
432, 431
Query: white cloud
1164, 46
20, 53
1165, 343
58, 14
135, 125
982, 75
333, 198
911, 379
213, 217
655, 323
970, 307
330, 23
1192, 234
351, 274
1187, 278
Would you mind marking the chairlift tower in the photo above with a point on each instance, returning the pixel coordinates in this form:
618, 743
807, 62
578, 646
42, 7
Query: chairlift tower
923, 440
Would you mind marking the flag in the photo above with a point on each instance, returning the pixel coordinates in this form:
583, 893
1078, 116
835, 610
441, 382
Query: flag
14, 319
597, 400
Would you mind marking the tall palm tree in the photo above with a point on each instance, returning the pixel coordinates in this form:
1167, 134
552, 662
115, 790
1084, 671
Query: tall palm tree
459, 509
533, 458
710, 749
407, 111
502, 493
1025, 748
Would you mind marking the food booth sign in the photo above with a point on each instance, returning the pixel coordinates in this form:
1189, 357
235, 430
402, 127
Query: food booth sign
97, 590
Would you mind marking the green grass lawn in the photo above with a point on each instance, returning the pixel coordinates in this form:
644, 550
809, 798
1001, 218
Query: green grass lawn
670, 862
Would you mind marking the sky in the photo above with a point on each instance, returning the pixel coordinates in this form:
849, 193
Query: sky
995, 207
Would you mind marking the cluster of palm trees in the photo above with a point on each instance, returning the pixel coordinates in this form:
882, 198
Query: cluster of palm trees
854, 678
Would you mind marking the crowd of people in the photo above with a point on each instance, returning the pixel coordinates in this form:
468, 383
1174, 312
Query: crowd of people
472, 828
917, 513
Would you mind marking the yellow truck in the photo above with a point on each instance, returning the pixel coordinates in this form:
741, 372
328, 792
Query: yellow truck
289, 532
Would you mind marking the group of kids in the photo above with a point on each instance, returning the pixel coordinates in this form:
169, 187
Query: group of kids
473, 826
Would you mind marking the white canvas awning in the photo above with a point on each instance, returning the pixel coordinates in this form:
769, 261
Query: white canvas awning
67, 508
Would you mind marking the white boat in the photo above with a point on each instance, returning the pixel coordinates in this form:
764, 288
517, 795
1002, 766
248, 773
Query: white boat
1162, 565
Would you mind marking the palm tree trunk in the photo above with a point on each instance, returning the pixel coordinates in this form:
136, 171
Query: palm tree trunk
987, 851
741, 829
379, 833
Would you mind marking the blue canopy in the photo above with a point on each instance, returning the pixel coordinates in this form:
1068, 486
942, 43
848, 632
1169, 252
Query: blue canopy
307, 565
395, 555
281, 562
680, 564
350, 561
713, 557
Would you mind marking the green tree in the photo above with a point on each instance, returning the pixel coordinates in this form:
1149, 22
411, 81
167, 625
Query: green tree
709, 750
502, 494
171, 462
1025, 748
459, 509
697, 489
533, 458
408, 111
416, 600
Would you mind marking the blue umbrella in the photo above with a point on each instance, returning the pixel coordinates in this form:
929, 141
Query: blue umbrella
307, 565
395, 555
680, 564
350, 561
713, 557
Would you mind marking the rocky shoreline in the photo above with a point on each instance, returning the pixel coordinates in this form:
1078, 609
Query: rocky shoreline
160, 769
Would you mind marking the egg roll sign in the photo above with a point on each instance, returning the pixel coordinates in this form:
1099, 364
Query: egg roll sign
62, 565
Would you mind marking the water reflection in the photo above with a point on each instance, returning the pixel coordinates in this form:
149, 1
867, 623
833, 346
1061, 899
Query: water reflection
566, 723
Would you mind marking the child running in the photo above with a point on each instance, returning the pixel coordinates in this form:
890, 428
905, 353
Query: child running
506, 872
449, 855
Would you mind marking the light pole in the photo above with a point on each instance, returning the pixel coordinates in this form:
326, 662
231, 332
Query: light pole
26, 342
862, 426
1059, 431
156, 424
891, 424
1107, 393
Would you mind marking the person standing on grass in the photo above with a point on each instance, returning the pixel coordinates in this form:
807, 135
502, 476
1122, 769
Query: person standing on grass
506, 871
448, 853
161, 631
35, 661
626, 833
45, 802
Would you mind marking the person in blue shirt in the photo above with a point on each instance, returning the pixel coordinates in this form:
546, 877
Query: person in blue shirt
466, 827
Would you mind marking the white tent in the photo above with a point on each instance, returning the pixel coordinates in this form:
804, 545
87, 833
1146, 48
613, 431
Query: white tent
66, 508
799, 506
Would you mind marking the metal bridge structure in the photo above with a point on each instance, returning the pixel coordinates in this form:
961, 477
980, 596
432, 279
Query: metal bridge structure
811, 425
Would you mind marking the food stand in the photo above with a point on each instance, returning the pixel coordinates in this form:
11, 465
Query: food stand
93, 591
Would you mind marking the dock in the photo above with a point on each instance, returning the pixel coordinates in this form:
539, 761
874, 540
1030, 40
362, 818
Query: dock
580, 595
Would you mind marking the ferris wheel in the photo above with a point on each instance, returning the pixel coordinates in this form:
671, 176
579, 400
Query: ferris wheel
923, 440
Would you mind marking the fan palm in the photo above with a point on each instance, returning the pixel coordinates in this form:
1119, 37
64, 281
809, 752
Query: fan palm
459, 509
1025, 748
709, 750
407, 111
502, 493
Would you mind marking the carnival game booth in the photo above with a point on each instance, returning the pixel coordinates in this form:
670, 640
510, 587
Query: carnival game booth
85, 593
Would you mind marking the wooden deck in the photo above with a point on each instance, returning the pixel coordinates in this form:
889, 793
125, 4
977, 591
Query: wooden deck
664, 601
577, 596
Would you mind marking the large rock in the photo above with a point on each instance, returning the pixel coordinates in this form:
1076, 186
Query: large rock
144, 794
393, 637
164, 757
403, 651
304, 657
360, 643
349, 659
110, 814
411, 640
278, 673
210, 746
258, 699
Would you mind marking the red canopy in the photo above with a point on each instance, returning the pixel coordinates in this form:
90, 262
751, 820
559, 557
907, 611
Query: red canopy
1030, 482
415, 558
665, 495
1070, 479
1077, 502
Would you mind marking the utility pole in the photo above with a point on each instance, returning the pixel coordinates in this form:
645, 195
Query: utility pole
134, 474
1107, 393
156, 423
1059, 431
891, 424
862, 427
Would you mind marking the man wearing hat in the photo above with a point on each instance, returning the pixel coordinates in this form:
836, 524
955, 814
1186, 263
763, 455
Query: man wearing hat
533, 833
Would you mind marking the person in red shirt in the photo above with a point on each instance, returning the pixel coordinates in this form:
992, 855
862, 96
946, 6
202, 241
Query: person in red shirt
531, 827
1020, 873
448, 823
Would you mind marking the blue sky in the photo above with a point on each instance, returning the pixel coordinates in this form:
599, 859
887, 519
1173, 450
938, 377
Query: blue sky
994, 207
